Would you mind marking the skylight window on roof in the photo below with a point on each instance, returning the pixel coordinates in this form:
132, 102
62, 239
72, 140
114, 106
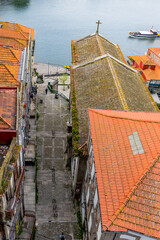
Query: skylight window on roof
136, 144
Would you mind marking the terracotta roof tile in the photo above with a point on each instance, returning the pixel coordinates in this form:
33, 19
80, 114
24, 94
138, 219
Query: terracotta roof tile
8, 108
7, 33
13, 43
128, 185
155, 50
152, 74
18, 27
9, 55
9, 75
142, 58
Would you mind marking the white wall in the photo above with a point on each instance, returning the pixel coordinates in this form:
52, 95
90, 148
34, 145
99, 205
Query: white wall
95, 198
90, 222
75, 172
143, 237
99, 232
87, 196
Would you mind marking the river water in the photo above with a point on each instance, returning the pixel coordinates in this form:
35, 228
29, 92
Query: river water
57, 22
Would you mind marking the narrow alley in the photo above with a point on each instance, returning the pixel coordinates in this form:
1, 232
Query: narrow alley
54, 210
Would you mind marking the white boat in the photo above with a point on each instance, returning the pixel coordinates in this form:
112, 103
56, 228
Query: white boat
152, 34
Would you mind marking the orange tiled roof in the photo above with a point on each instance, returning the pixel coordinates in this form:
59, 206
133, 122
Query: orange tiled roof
155, 50
9, 75
9, 55
145, 59
27, 30
13, 43
152, 74
128, 182
136, 58
19, 28
7, 33
8, 100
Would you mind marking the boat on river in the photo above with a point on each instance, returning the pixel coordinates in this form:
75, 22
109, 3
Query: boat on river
152, 34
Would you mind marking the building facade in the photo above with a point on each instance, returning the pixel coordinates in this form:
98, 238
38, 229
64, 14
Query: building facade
16, 66
11, 190
149, 66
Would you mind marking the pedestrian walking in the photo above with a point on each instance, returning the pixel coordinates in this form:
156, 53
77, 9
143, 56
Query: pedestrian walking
62, 237
46, 90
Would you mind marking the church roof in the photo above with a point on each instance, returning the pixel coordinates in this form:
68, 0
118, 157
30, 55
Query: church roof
105, 82
92, 46
126, 150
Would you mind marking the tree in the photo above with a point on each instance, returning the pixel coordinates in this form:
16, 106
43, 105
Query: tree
63, 79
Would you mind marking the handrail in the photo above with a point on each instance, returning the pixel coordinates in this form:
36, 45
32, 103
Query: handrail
59, 93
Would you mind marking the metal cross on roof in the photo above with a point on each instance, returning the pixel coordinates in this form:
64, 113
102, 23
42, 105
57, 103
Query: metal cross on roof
98, 23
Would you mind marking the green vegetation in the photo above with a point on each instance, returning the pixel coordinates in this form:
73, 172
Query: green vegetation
20, 229
75, 129
20, 3
158, 105
6, 170
39, 76
63, 79
79, 218
4, 184
37, 115
34, 234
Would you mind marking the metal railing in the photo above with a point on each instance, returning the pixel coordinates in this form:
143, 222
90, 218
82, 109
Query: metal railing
56, 92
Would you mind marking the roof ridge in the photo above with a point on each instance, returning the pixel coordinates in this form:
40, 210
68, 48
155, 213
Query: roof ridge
108, 40
20, 29
101, 48
131, 193
9, 72
88, 36
3, 120
117, 84
14, 39
23, 34
12, 51
123, 117
104, 56
122, 63
13, 31
17, 40
18, 25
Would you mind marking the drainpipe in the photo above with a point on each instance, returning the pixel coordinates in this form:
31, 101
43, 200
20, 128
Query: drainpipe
115, 236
